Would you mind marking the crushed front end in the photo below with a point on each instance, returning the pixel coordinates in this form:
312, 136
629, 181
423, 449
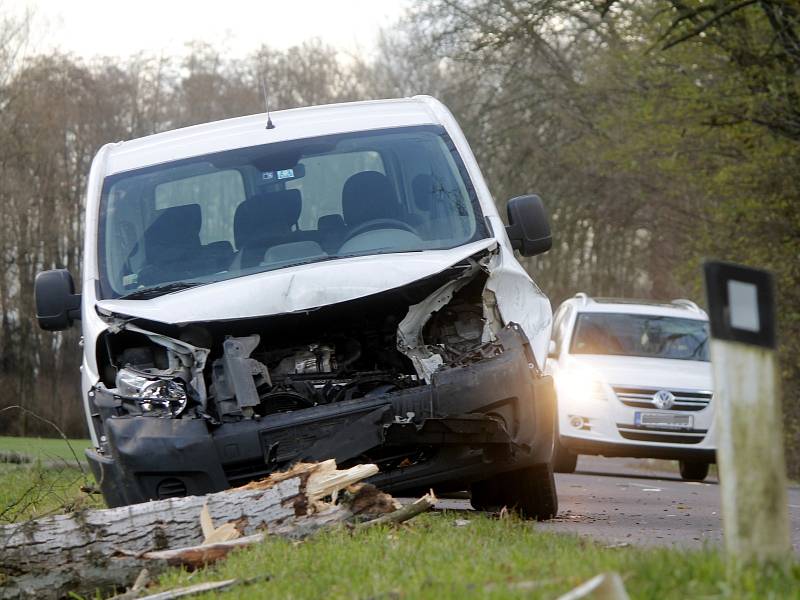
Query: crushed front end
426, 381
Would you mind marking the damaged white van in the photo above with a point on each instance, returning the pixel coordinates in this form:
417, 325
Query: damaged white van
333, 283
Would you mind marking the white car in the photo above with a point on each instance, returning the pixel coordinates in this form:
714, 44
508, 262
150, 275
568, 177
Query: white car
633, 379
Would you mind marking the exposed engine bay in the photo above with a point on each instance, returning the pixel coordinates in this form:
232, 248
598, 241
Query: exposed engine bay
292, 362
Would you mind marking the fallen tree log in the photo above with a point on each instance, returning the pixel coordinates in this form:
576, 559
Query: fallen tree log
98, 549
196, 556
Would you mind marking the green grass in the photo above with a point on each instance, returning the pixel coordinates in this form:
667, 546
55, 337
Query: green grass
488, 558
49, 483
32, 491
430, 557
45, 449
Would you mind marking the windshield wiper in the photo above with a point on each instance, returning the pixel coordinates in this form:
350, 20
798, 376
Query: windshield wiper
160, 290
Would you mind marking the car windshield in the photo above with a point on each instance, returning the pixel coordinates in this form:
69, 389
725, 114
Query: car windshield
640, 335
260, 208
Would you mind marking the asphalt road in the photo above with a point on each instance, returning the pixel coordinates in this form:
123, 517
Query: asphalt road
622, 501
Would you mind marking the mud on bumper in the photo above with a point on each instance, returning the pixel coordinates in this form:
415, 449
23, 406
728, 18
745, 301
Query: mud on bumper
492, 412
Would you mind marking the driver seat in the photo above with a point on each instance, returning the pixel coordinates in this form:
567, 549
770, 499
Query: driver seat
368, 196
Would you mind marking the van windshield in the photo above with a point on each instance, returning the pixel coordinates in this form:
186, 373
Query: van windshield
261, 208
640, 335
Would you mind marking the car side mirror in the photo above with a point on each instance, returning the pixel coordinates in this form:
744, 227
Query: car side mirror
57, 304
528, 227
552, 350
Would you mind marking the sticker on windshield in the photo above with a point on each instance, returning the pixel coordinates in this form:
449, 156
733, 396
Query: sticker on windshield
277, 175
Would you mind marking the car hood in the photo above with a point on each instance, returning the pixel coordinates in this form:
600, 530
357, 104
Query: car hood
642, 372
293, 289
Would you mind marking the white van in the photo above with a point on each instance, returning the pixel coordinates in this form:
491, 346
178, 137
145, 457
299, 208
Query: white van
633, 379
333, 283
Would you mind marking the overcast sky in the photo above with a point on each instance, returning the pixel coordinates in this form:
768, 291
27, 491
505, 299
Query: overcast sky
237, 27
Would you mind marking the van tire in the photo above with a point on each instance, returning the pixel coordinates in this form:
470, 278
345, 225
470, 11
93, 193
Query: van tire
564, 459
484, 496
693, 471
530, 491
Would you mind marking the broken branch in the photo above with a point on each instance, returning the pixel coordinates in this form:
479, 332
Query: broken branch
409, 511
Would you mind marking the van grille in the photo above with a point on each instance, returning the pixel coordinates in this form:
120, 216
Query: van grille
643, 398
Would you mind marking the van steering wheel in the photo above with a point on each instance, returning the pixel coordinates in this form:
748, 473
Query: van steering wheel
378, 224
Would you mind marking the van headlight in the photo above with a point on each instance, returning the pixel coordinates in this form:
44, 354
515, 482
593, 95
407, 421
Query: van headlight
581, 384
154, 395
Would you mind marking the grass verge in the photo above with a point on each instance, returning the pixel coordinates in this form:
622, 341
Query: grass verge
44, 449
432, 557
35, 490
48, 480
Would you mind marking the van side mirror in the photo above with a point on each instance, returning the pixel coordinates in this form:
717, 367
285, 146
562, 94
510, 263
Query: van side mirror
57, 304
528, 228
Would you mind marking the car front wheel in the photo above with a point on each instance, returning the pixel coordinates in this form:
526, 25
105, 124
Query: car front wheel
693, 471
564, 459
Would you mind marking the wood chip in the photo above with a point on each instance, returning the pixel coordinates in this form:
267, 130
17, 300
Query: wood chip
325, 480
214, 535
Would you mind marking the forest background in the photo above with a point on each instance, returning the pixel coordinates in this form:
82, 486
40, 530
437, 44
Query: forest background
658, 132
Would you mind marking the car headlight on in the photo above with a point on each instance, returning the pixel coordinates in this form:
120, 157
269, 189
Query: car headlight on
155, 395
582, 384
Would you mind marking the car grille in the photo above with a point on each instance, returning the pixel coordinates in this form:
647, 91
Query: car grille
643, 398
641, 434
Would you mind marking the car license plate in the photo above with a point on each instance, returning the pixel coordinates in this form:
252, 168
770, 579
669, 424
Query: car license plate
656, 420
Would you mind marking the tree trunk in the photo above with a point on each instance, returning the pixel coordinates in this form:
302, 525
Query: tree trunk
97, 549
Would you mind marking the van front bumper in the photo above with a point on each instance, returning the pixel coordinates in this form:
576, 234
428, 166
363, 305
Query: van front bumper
491, 413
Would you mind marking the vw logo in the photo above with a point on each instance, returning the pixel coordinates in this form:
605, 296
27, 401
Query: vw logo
663, 399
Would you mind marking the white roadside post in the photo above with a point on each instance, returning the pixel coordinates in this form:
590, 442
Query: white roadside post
750, 454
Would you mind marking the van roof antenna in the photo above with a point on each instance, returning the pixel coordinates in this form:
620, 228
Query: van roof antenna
270, 124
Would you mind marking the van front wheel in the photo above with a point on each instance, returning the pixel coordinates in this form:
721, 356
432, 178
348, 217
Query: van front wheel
530, 491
